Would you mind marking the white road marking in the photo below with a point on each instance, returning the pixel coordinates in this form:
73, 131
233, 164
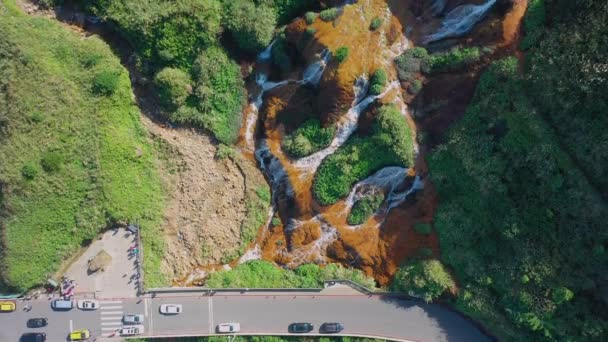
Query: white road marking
71, 326
111, 318
111, 323
146, 307
111, 312
111, 307
210, 315
110, 302
110, 329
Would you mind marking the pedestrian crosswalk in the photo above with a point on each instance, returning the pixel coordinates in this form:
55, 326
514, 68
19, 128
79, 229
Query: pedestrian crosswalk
111, 317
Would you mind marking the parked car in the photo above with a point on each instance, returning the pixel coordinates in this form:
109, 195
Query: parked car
227, 328
299, 328
7, 306
132, 330
33, 337
80, 335
331, 328
87, 304
62, 304
133, 319
170, 309
37, 322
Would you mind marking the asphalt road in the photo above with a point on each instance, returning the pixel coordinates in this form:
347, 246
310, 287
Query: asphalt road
257, 313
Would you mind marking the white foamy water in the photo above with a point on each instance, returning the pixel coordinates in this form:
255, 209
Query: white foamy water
316, 251
460, 20
267, 53
253, 254
437, 6
312, 74
344, 130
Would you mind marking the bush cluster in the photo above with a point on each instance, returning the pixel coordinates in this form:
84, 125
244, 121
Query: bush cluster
410, 63
341, 54
310, 17
329, 14
173, 87
533, 24
375, 24
364, 208
307, 139
105, 82
250, 25
377, 82
423, 278
453, 60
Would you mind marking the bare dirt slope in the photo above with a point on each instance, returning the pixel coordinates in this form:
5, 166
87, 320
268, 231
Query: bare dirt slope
206, 203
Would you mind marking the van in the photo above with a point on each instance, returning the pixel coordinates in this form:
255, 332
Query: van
62, 304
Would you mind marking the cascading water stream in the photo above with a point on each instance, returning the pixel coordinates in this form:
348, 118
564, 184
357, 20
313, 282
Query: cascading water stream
437, 6
312, 74
460, 20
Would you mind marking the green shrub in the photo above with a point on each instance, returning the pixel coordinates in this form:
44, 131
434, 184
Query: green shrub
425, 278
410, 63
533, 24
415, 87
224, 152
29, 171
453, 60
423, 228
289, 9
173, 87
329, 14
37, 116
378, 82
105, 82
310, 17
364, 208
341, 54
307, 139
52, 161
263, 274
218, 95
375, 24
275, 221
562, 295
250, 25
390, 144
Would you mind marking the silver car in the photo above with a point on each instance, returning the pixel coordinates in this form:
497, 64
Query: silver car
170, 309
132, 330
87, 304
133, 319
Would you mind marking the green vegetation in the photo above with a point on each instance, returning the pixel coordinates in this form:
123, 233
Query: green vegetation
390, 143
518, 220
173, 87
310, 17
415, 87
453, 60
410, 63
423, 278
341, 54
250, 24
106, 82
288, 9
377, 82
364, 208
423, 228
329, 14
309, 138
99, 167
375, 24
263, 274
533, 24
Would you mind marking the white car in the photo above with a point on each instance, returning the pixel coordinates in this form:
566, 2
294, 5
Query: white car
132, 330
227, 328
87, 304
133, 319
170, 309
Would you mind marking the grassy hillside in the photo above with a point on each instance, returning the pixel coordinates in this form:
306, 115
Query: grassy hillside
521, 184
75, 157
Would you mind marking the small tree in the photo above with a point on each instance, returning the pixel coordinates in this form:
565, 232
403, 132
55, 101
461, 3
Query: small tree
329, 14
173, 86
425, 278
51, 161
342, 54
251, 26
310, 17
29, 171
378, 82
376, 22
562, 295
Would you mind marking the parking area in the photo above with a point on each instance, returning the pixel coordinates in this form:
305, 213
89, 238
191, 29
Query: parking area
118, 277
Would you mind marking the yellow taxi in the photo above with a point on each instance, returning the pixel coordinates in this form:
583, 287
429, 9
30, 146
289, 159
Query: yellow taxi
7, 306
79, 335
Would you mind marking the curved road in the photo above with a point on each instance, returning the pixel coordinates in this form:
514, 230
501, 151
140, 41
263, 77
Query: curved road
258, 313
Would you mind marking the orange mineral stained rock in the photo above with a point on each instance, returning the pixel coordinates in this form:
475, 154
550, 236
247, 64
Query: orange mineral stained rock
314, 233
